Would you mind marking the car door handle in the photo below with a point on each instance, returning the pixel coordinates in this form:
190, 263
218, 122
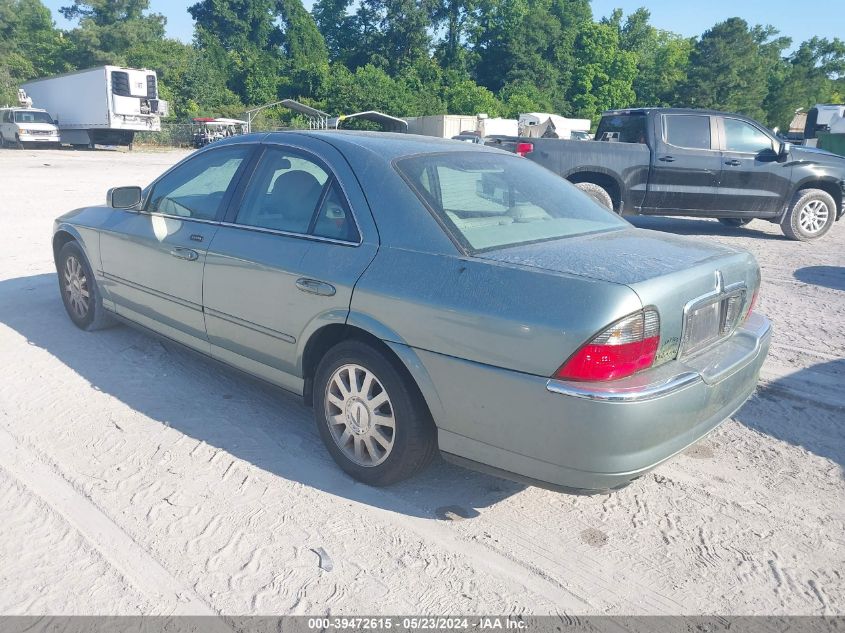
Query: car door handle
185, 253
667, 159
315, 287
733, 162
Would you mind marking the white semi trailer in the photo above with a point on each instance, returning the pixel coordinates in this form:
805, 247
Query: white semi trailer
101, 106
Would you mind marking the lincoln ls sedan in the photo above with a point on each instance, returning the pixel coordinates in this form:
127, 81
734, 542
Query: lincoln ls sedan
425, 295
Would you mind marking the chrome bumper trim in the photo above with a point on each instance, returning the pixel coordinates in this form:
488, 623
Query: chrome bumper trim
631, 394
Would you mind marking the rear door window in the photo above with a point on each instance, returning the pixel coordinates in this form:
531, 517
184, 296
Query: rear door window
687, 130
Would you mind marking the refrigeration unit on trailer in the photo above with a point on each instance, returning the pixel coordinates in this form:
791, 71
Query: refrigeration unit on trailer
104, 105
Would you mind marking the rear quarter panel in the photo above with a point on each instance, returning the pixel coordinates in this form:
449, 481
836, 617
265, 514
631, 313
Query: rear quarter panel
502, 315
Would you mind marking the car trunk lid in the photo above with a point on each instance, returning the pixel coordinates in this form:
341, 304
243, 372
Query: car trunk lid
700, 290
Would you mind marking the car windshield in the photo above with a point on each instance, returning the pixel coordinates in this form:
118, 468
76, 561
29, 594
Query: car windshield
492, 200
24, 116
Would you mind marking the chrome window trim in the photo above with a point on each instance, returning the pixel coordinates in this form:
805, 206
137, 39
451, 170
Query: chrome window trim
719, 294
304, 236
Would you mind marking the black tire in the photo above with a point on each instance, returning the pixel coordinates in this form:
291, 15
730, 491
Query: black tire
2, 141
414, 438
18, 142
796, 223
735, 222
597, 193
95, 316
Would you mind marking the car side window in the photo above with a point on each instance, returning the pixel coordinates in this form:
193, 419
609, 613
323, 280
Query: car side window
744, 137
687, 130
334, 219
284, 192
197, 188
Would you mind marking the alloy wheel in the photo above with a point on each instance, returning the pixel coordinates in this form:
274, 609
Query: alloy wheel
360, 415
76, 287
814, 216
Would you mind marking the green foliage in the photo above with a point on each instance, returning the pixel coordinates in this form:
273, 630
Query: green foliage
30, 46
418, 57
727, 71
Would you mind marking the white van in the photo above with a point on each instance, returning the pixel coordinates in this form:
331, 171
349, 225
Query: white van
20, 127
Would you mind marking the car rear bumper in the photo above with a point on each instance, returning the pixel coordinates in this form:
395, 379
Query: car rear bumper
593, 437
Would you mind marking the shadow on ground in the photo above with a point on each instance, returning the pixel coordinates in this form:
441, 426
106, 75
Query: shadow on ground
224, 408
827, 276
703, 226
806, 409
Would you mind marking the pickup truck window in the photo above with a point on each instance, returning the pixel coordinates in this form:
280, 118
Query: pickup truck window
744, 137
688, 131
623, 128
492, 201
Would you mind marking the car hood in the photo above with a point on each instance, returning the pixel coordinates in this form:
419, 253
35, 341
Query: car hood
626, 256
816, 155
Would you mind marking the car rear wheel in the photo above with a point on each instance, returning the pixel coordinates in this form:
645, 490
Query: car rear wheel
597, 193
810, 215
370, 415
80, 293
735, 222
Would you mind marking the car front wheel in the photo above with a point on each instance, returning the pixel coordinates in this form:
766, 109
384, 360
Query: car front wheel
80, 294
370, 416
810, 215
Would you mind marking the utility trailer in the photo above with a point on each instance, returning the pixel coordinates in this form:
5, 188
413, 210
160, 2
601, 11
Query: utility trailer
101, 106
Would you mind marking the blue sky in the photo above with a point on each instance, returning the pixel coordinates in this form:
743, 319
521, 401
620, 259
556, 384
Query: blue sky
685, 17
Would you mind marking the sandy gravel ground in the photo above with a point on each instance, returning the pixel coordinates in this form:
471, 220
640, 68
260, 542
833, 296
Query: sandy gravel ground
136, 478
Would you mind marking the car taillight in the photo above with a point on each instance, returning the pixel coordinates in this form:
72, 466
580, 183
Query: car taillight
626, 347
522, 149
753, 303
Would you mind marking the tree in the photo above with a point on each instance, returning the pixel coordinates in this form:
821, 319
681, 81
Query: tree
727, 71
605, 72
304, 46
812, 74
30, 46
110, 29
337, 27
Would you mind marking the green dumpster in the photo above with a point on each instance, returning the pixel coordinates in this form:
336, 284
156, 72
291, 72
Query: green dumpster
832, 142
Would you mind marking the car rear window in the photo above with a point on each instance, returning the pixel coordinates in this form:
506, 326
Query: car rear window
489, 200
622, 128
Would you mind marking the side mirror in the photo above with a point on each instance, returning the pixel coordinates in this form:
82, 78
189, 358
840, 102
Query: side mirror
785, 148
123, 197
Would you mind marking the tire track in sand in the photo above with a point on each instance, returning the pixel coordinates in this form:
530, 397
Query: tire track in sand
134, 563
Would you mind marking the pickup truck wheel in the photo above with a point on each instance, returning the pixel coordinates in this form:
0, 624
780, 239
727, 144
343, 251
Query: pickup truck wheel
370, 416
80, 293
597, 193
810, 215
18, 142
735, 222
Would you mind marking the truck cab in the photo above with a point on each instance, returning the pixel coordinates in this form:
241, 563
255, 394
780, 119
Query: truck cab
22, 127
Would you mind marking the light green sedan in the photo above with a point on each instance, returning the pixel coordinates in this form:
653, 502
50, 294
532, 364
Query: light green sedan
427, 295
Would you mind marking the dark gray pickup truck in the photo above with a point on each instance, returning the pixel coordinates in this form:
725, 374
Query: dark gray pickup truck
669, 161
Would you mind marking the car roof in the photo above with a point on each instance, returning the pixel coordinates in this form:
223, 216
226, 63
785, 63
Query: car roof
670, 111
388, 145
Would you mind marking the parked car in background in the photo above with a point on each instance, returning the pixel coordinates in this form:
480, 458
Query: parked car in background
104, 105
21, 127
668, 161
425, 294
